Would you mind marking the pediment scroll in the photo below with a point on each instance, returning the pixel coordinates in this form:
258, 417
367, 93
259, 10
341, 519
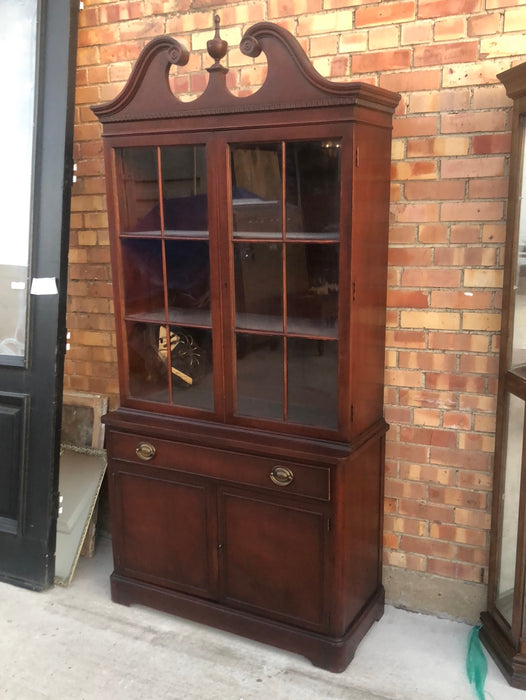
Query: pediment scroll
147, 89
290, 72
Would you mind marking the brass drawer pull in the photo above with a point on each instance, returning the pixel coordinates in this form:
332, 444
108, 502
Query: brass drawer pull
145, 451
281, 476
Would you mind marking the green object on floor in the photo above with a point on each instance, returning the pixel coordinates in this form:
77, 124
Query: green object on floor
476, 664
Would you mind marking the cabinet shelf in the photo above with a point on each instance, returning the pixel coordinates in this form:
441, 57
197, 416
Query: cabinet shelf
301, 327
247, 236
256, 323
179, 317
172, 234
289, 237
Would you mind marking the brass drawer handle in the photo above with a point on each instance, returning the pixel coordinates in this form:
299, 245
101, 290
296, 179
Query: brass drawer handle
281, 476
145, 451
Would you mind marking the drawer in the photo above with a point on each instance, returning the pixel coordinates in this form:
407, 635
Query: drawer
282, 476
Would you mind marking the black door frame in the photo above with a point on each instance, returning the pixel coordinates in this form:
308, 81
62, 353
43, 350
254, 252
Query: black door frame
27, 543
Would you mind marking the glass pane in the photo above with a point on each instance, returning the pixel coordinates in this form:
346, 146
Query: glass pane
188, 277
519, 325
256, 190
143, 278
147, 365
312, 288
18, 40
153, 349
313, 189
185, 200
139, 200
258, 271
510, 506
312, 382
259, 375
190, 352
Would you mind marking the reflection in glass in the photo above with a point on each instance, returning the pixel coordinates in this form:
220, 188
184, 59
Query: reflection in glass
510, 510
188, 281
143, 278
312, 288
190, 360
18, 40
139, 202
519, 325
160, 355
185, 202
286, 277
258, 271
259, 376
147, 367
256, 190
313, 188
312, 382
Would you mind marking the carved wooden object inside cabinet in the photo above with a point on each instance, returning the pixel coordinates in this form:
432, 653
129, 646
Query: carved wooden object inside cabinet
249, 253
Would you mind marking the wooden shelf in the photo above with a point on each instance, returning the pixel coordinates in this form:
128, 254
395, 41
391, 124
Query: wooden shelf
299, 237
302, 327
195, 318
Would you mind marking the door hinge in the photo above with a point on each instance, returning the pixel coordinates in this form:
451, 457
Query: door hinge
60, 504
329, 524
354, 291
357, 157
81, 5
352, 412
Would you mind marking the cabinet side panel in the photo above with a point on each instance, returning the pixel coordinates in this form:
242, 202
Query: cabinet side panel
370, 217
362, 528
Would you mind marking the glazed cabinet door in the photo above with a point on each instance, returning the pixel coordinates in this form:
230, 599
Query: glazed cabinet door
273, 557
161, 227
285, 243
162, 529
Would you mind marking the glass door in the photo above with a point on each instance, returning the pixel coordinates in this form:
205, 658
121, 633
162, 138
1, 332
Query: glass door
504, 630
518, 338
510, 577
285, 237
511, 503
164, 239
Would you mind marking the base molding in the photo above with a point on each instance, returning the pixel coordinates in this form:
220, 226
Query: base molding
511, 663
330, 653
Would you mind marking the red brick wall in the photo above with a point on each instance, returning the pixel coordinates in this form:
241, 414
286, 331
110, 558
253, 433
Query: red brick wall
450, 158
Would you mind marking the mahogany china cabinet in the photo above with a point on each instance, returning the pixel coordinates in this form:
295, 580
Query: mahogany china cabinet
504, 623
249, 254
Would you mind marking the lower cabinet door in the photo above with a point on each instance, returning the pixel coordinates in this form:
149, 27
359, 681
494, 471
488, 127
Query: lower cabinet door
163, 530
272, 558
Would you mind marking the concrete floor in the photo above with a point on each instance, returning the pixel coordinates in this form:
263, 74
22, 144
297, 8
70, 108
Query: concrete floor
74, 643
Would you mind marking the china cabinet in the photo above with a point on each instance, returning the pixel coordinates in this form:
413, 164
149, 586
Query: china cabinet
504, 628
249, 251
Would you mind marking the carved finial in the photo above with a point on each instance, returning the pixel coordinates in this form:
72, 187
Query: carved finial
217, 49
